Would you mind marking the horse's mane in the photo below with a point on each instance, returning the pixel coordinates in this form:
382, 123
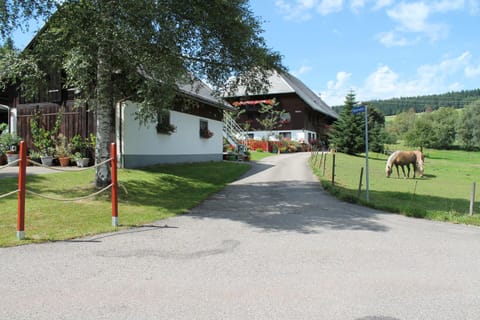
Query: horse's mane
390, 159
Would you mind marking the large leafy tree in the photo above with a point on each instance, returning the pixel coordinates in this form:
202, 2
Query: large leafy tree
444, 129
140, 50
402, 123
421, 134
468, 129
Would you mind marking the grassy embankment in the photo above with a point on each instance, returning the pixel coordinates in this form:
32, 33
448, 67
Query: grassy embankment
149, 194
442, 194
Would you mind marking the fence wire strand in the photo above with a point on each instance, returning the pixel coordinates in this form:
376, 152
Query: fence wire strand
10, 164
38, 164
70, 199
8, 194
14, 163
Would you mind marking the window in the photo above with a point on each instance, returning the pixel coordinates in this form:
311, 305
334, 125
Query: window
287, 135
204, 132
163, 123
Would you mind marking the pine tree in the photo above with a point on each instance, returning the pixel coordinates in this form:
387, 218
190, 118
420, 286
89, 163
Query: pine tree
347, 133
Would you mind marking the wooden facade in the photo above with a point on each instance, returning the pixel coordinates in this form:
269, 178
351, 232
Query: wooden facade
307, 117
75, 121
301, 115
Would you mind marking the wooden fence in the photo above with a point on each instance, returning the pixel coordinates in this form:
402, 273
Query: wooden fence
75, 120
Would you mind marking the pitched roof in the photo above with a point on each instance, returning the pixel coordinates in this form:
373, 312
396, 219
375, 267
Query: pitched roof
198, 90
284, 82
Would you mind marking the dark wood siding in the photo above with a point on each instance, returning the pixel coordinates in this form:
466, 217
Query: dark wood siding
302, 116
75, 120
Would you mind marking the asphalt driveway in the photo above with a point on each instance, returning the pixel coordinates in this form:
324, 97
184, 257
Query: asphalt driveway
272, 245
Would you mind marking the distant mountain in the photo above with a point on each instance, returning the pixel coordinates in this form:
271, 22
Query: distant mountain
421, 103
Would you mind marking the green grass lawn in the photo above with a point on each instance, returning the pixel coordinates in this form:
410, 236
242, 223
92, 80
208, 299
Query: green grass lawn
256, 155
147, 195
442, 194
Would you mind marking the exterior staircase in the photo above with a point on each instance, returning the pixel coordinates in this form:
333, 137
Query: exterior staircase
234, 134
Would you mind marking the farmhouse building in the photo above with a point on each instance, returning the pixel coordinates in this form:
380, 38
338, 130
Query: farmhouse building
307, 117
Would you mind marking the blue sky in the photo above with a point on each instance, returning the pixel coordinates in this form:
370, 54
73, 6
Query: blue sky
378, 48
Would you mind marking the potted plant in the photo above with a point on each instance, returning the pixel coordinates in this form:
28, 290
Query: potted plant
83, 149
3, 147
166, 128
9, 144
80, 160
34, 155
43, 139
205, 133
63, 150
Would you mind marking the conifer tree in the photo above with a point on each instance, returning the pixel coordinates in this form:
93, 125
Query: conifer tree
347, 133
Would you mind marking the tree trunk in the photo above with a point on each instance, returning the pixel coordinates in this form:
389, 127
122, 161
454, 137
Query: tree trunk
104, 117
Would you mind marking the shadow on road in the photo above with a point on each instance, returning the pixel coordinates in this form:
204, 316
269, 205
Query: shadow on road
287, 206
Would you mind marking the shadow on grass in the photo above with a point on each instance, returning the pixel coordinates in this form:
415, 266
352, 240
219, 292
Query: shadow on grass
178, 189
412, 205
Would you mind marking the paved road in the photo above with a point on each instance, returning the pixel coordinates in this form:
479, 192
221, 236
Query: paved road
270, 246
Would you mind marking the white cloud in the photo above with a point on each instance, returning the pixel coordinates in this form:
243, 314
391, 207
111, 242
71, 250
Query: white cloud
302, 70
413, 18
473, 6
299, 10
394, 39
356, 5
337, 89
302, 10
326, 7
384, 80
448, 5
340, 81
385, 83
472, 71
379, 4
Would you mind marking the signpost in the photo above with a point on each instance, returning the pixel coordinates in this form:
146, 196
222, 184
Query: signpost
356, 110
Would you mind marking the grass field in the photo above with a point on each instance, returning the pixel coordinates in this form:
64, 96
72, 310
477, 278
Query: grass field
147, 195
442, 194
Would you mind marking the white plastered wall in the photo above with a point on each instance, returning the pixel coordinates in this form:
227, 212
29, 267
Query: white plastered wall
183, 145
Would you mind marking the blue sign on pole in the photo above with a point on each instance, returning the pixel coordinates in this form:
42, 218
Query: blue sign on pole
358, 109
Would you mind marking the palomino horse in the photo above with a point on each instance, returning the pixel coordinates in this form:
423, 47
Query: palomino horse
405, 158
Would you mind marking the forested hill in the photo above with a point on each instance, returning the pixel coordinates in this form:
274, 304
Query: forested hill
394, 106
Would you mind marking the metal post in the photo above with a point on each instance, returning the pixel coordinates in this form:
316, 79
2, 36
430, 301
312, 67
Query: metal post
360, 183
472, 199
22, 174
366, 154
333, 169
113, 155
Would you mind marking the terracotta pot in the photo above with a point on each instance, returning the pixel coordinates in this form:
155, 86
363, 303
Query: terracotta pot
64, 161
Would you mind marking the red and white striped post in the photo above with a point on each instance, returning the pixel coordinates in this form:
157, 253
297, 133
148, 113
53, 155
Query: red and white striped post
113, 156
22, 175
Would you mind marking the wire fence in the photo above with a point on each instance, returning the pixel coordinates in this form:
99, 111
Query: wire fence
22, 162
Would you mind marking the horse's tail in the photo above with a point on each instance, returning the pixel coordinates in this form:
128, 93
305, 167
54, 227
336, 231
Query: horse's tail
419, 163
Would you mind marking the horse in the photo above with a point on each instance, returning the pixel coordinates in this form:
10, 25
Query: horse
405, 158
